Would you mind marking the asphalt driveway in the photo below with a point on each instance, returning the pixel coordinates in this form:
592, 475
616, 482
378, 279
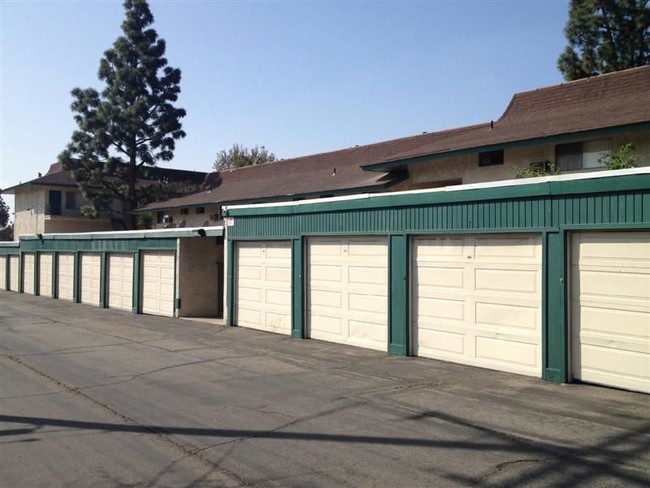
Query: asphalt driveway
96, 397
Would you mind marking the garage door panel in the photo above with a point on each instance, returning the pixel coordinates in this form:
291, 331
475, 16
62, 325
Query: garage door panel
366, 275
480, 306
348, 284
366, 304
610, 309
520, 281
616, 283
28, 273
602, 320
507, 351
367, 332
513, 249
45, 275
158, 282
263, 286
280, 275
65, 280
440, 277
440, 309
14, 273
120, 281
90, 278
440, 342
3, 273
501, 315
615, 362
321, 299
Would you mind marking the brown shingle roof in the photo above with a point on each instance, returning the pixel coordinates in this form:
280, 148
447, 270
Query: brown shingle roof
319, 174
611, 100
57, 176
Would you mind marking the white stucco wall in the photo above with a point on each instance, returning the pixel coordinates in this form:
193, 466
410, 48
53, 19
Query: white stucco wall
467, 169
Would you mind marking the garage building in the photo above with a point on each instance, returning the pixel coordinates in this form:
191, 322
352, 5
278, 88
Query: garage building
547, 277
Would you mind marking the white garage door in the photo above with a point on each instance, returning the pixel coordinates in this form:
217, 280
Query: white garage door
610, 309
14, 273
120, 281
28, 273
65, 281
477, 301
45, 275
348, 291
263, 286
158, 272
90, 278
3, 272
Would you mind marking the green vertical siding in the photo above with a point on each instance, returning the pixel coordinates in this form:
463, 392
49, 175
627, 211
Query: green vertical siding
298, 289
549, 209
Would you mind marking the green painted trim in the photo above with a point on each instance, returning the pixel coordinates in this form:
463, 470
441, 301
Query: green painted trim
230, 282
554, 139
298, 289
398, 297
7, 276
76, 293
37, 274
176, 301
137, 284
96, 245
103, 280
555, 334
55, 275
410, 199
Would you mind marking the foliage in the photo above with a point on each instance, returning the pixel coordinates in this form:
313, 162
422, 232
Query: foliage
605, 36
621, 159
4, 213
239, 156
144, 220
537, 170
7, 233
131, 124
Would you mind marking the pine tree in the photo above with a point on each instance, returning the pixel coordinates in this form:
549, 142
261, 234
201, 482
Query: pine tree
605, 36
131, 124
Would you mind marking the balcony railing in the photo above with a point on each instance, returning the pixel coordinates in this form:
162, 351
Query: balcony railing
56, 210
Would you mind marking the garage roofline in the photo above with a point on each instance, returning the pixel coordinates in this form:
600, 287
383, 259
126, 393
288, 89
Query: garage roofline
627, 179
214, 231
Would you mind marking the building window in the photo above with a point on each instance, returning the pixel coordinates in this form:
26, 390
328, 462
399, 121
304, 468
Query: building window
54, 203
159, 217
71, 200
490, 158
581, 155
185, 211
200, 210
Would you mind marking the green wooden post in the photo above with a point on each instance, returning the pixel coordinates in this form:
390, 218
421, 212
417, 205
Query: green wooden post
55, 275
37, 273
76, 298
398, 297
230, 285
555, 331
137, 270
298, 289
103, 276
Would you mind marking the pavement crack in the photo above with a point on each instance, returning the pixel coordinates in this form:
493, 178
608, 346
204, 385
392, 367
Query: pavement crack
503, 466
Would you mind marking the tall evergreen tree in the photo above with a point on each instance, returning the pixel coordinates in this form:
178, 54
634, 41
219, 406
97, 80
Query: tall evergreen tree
4, 213
239, 156
131, 124
605, 36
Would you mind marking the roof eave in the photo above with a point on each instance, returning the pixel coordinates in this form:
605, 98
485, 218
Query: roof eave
316, 194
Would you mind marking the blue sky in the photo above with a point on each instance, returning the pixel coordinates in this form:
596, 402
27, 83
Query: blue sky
298, 77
